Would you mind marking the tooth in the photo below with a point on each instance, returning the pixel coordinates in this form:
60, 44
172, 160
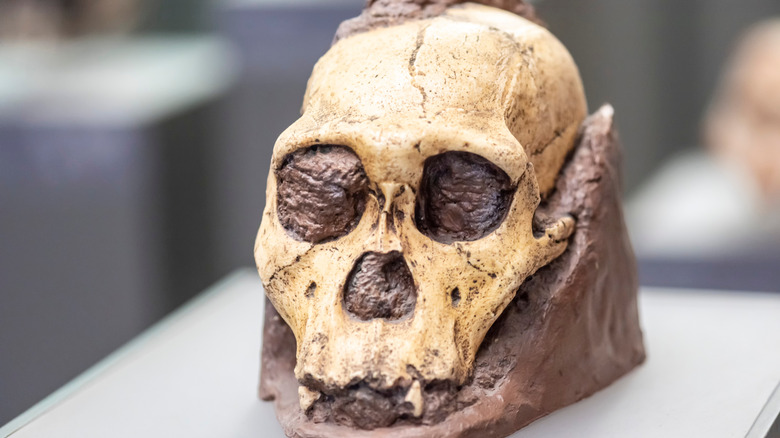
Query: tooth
307, 397
414, 396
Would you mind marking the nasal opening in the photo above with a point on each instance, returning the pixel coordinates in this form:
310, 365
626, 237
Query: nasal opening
380, 285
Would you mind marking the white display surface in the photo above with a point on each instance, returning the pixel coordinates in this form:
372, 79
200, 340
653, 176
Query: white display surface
713, 361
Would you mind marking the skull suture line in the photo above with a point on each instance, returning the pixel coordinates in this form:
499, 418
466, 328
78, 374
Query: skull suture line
400, 205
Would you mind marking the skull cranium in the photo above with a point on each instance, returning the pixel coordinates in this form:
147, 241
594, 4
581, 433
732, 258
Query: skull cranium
399, 215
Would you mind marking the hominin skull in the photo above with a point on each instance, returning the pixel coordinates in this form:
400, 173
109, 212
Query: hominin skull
400, 206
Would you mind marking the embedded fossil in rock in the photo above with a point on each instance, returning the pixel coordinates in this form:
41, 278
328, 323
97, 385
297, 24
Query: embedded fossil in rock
399, 221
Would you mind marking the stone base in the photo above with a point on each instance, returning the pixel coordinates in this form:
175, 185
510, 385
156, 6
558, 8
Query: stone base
572, 329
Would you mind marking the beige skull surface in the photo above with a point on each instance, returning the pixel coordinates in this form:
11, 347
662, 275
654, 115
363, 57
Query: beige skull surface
476, 80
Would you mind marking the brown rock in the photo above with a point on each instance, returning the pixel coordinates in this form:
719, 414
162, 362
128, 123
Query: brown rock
384, 13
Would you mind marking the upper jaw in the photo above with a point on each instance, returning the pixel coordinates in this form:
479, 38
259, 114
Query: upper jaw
362, 406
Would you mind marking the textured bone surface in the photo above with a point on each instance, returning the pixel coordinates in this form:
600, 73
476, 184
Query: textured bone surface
383, 13
322, 193
462, 197
571, 330
380, 286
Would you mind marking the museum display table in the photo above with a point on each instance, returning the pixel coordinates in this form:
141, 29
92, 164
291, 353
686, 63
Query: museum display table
713, 363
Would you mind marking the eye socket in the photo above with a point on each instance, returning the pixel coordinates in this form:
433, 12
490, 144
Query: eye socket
321, 193
462, 197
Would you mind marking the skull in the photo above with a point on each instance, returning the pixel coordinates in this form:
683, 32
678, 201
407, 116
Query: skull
400, 206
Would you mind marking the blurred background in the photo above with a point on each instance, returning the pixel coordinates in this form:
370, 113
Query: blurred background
135, 139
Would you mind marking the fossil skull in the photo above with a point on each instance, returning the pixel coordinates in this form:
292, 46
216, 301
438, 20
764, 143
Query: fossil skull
400, 206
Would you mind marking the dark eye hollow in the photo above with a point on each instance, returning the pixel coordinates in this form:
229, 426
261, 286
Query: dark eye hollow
321, 193
462, 197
